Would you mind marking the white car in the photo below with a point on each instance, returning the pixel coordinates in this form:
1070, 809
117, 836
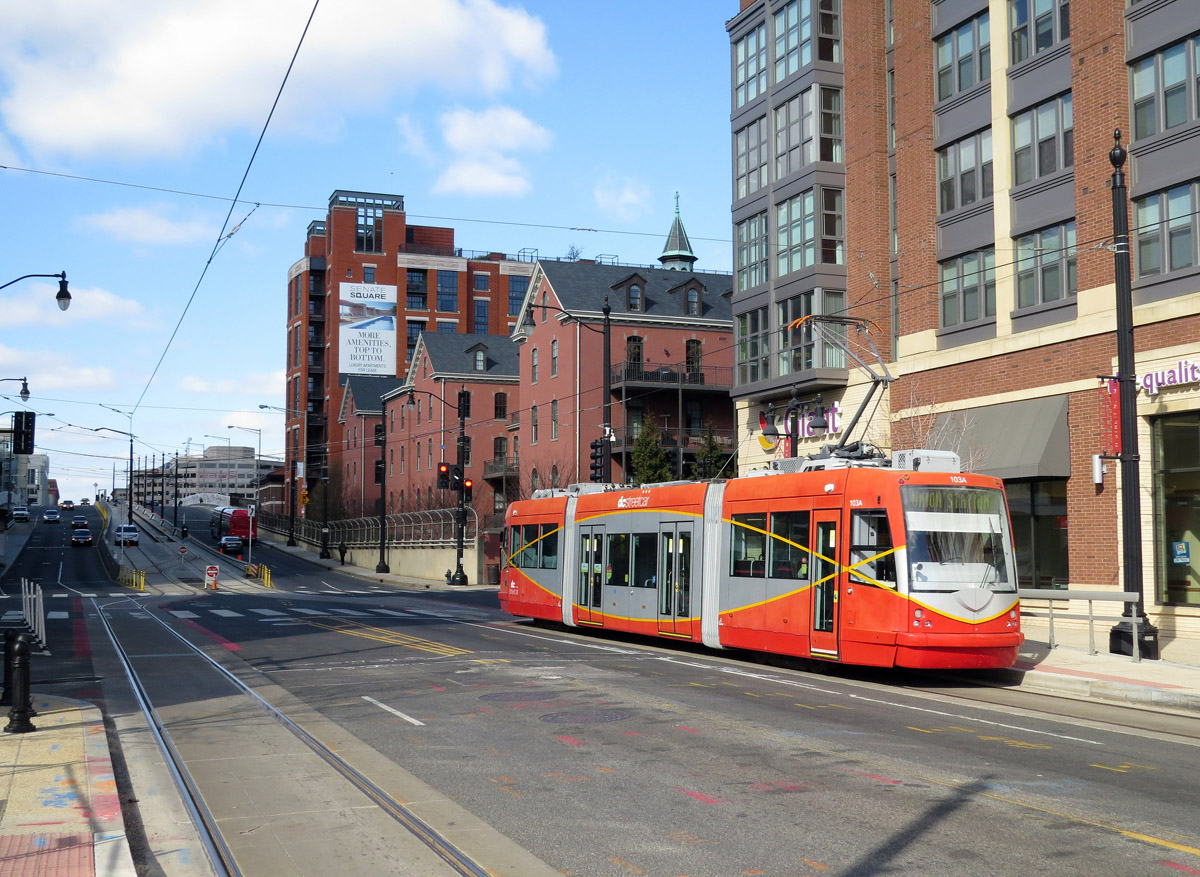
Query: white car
125, 534
20, 513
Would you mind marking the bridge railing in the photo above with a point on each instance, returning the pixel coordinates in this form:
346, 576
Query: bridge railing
432, 528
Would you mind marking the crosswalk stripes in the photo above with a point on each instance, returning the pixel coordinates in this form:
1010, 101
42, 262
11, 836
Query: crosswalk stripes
265, 614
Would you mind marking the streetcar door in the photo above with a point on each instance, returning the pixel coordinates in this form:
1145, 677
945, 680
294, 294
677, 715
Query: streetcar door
675, 579
826, 574
591, 575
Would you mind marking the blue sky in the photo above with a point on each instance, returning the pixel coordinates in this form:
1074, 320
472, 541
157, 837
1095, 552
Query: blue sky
535, 125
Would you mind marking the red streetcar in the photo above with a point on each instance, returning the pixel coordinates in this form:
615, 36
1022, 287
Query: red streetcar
855, 563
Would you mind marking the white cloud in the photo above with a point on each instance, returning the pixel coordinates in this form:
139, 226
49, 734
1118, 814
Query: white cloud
622, 198
479, 143
144, 77
150, 225
412, 138
35, 304
251, 384
48, 370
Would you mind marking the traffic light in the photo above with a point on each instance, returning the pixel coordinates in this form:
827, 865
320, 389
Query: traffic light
456, 478
597, 455
467, 485
380, 435
443, 479
464, 403
22, 439
304, 496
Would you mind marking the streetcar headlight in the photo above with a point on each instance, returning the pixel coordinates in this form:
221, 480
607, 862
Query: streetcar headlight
1012, 613
917, 613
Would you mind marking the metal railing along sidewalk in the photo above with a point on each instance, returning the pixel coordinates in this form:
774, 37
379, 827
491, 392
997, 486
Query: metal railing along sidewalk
1051, 595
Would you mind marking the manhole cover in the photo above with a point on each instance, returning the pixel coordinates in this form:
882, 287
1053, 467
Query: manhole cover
521, 696
584, 717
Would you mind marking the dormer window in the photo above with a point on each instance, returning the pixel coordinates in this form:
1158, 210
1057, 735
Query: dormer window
480, 361
635, 297
692, 303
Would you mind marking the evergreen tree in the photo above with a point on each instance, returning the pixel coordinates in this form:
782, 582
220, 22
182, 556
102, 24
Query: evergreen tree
649, 461
710, 459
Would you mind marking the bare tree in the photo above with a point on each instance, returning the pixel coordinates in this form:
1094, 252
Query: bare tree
573, 253
933, 425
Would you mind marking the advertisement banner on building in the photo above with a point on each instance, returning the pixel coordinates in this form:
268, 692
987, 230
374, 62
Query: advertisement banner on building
367, 329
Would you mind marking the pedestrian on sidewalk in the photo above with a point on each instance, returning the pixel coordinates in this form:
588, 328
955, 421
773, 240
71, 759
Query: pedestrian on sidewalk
342, 549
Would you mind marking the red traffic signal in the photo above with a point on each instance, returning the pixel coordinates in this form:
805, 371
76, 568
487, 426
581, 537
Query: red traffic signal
467, 484
443, 476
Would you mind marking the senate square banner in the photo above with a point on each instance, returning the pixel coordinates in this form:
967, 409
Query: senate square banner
367, 317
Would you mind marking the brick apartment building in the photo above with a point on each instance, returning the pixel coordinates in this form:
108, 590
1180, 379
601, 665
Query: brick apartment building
945, 174
368, 284
670, 355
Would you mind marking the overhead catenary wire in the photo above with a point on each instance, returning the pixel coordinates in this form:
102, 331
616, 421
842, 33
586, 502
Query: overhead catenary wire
221, 235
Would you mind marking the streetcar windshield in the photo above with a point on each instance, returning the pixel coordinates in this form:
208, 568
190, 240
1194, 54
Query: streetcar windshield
957, 537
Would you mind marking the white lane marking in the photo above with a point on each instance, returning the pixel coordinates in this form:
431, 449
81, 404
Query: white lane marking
50, 616
183, 613
779, 680
114, 594
358, 592
389, 612
60, 595
432, 614
226, 613
344, 611
309, 611
268, 612
331, 587
12, 614
384, 706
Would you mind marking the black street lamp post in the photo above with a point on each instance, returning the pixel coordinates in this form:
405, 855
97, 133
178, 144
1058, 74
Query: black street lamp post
381, 440
606, 331
459, 577
1121, 638
64, 295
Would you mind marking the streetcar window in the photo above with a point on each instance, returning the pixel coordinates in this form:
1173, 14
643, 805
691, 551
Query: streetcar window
549, 546
526, 553
871, 560
789, 535
617, 571
748, 547
645, 560
957, 537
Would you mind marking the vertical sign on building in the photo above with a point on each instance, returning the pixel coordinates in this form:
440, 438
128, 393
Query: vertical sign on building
367, 329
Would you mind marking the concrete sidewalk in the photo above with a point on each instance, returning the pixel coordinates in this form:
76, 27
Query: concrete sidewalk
61, 812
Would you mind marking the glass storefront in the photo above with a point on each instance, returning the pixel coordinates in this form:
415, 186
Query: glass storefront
1039, 523
1177, 509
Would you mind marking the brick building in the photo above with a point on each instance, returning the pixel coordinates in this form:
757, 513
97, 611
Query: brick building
670, 356
368, 284
945, 174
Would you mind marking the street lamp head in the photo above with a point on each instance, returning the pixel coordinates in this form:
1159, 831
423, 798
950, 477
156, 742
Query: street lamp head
24, 390
64, 295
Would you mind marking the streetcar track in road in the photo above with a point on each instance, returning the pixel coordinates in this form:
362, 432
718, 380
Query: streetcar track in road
446, 850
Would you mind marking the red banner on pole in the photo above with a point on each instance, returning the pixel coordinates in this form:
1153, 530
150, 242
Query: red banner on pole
1110, 417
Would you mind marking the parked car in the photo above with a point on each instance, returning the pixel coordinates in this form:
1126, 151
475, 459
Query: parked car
81, 537
50, 516
230, 545
79, 522
126, 534
20, 513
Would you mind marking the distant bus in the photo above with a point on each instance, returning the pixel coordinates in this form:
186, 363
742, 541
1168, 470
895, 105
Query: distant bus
229, 521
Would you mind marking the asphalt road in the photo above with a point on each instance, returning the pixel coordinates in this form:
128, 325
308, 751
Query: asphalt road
607, 756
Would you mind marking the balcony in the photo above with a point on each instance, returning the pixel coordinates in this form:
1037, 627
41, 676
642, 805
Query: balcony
500, 468
726, 440
514, 421
315, 341
631, 374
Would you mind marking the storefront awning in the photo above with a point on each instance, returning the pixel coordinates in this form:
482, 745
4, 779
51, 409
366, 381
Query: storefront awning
1027, 439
